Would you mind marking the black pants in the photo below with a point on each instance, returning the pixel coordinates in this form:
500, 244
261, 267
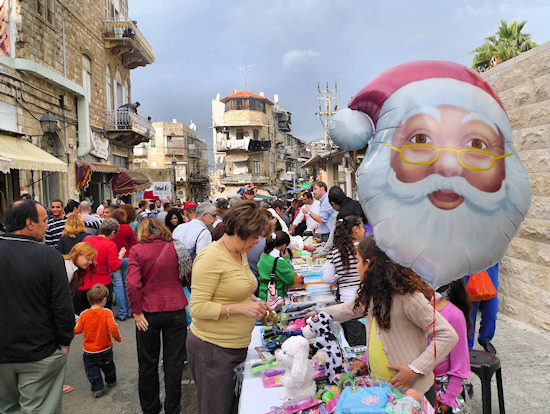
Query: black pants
95, 363
173, 328
355, 332
80, 301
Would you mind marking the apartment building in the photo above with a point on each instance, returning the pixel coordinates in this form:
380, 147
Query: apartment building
177, 146
253, 144
64, 74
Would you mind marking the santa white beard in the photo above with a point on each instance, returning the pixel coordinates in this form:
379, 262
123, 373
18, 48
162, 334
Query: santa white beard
441, 245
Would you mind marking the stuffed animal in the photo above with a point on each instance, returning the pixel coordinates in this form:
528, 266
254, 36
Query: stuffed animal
318, 327
408, 404
298, 376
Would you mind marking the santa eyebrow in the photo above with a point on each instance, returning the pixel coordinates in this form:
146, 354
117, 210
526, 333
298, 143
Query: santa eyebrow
424, 110
473, 116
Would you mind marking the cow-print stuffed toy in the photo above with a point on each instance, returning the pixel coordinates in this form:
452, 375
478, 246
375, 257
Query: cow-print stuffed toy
318, 327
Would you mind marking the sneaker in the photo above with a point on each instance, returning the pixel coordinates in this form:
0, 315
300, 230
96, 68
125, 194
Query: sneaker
123, 318
97, 393
488, 347
67, 388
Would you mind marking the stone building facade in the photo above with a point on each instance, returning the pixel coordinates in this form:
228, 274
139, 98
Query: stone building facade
523, 84
72, 60
253, 144
176, 146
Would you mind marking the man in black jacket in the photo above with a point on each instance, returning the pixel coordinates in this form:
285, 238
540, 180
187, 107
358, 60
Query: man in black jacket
36, 311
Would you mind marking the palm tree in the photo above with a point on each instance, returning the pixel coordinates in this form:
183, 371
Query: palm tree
505, 44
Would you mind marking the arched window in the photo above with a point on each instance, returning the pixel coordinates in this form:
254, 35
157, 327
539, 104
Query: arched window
118, 91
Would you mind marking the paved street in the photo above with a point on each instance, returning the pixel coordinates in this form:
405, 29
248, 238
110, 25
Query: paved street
524, 353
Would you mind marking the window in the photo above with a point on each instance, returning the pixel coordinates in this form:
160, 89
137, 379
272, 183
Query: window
256, 134
152, 142
240, 133
87, 78
45, 9
120, 161
257, 105
109, 89
256, 167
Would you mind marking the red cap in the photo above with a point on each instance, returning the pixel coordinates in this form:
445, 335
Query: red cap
190, 204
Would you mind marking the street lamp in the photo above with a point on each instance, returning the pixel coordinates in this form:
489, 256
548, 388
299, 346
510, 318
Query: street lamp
48, 123
174, 162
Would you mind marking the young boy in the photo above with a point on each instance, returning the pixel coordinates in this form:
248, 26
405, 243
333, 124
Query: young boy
98, 325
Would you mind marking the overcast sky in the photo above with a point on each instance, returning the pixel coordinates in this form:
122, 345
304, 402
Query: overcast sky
200, 46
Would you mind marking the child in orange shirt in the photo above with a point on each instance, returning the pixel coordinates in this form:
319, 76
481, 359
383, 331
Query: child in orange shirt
98, 325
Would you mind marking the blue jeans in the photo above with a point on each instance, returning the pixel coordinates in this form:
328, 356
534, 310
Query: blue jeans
488, 309
95, 363
119, 286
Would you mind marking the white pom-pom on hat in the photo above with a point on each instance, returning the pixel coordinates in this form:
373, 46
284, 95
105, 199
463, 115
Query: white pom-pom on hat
351, 130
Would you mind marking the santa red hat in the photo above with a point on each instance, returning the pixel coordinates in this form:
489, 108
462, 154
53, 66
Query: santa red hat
389, 96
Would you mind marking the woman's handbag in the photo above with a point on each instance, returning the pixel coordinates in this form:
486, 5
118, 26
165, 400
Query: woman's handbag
184, 262
480, 287
273, 298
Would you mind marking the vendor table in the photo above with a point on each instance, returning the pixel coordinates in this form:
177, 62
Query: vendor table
255, 399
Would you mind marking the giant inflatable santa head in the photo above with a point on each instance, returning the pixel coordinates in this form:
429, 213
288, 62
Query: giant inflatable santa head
441, 183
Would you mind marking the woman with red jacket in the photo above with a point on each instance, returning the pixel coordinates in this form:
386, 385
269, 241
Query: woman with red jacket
106, 261
155, 271
124, 238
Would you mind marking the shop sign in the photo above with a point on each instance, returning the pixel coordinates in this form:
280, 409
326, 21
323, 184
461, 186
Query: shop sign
100, 146
163, 190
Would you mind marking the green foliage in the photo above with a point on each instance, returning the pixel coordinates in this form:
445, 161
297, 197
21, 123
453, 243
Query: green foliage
506, 43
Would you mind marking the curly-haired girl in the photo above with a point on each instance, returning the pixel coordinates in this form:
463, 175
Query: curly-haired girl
341, 269
398, 315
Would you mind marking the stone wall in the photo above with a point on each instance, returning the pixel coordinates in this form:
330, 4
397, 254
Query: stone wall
523, 84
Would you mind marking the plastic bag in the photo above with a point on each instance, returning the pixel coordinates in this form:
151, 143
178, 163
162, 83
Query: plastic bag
480, 287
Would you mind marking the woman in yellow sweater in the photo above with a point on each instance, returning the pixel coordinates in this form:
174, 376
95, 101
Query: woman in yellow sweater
224, 309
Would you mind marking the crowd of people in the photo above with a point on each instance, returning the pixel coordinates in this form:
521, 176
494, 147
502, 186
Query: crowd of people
69, 270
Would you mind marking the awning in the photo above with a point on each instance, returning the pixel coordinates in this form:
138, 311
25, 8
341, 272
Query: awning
84, 172
5, 165
129, 182
26, 156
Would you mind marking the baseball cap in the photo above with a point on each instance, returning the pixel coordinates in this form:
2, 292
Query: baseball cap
190, 204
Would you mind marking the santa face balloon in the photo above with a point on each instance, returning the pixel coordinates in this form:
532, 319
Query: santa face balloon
441, 184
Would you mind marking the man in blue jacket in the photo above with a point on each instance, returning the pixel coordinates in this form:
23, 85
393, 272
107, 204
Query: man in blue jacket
36, 311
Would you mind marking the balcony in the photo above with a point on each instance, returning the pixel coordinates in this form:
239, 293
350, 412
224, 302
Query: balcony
245, 144
198, 177
123, 38
284, 126
127, 128
141, 151
244, 179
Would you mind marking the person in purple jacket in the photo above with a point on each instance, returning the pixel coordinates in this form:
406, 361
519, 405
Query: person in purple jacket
454, 305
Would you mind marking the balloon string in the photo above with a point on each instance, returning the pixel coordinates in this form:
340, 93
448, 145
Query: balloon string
435, 355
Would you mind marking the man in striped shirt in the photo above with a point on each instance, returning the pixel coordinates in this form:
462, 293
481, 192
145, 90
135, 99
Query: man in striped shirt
56, 223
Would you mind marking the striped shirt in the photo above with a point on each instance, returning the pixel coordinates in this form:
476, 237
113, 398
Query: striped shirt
55, 228
347, 279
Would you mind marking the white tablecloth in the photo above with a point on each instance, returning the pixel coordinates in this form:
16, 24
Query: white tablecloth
255, 399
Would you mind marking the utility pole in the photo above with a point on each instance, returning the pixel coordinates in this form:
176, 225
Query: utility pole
325, 114
245, 68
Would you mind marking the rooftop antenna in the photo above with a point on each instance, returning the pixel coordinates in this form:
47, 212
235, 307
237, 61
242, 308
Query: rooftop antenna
245, 68
325, 114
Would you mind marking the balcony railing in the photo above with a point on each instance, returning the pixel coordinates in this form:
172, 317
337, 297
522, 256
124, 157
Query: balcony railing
245, 178
126, 119
123, 36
